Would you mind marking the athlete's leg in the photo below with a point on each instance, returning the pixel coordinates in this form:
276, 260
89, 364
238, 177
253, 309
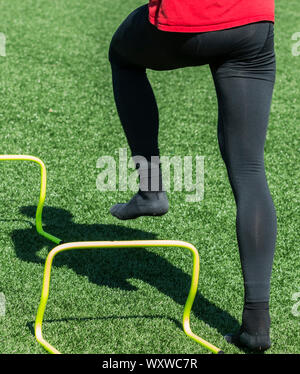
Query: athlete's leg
244, 88
137, 45
243, 66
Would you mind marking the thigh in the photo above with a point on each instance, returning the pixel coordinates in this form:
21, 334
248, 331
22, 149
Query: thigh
244, 84
137, 42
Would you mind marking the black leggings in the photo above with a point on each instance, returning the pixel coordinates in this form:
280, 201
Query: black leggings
242, 63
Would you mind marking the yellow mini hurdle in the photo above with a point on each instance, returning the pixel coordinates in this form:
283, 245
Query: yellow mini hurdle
43, 186
61, 247
122, 244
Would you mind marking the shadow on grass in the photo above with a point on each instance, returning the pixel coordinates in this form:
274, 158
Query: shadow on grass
30, 325
112, 267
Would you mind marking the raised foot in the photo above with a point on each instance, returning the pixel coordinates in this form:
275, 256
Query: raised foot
142, 204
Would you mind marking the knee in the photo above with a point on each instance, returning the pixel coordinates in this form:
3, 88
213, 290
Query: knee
114, 57
115, 45
248, 172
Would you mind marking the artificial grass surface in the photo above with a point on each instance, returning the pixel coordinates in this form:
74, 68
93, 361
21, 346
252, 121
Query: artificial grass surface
128, 300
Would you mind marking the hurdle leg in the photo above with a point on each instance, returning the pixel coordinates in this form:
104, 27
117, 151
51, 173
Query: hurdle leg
43, 185
122, 244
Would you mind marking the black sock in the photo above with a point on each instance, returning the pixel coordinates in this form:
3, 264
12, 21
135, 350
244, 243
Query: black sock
256, 318
255, 330
150, 178
150, 200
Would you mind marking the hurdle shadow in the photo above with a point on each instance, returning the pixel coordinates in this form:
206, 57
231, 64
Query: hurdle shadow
30, 324
112, 267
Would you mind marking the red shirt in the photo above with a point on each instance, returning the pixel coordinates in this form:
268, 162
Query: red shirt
208, 15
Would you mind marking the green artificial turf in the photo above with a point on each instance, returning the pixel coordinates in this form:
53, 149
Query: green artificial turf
56, 102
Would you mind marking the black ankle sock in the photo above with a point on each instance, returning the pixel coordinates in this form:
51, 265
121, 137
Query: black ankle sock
150, 178
254, 333
256, 318
150, 200
152, 195
142, 204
